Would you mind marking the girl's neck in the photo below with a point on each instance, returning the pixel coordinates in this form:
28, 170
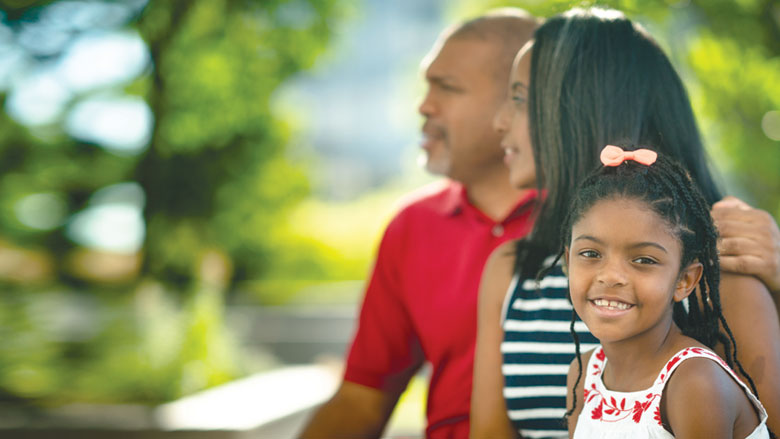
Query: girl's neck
634, 364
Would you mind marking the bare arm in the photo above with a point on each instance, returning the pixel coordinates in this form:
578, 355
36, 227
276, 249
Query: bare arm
750, 242
385, 352
728, 413
571, 379
753, 320
355, 411
489, 417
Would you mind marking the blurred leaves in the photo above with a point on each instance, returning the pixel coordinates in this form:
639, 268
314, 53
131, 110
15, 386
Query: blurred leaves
218, 189
146, 348
216, 174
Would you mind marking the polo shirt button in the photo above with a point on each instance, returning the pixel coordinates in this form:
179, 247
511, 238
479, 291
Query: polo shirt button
498, 230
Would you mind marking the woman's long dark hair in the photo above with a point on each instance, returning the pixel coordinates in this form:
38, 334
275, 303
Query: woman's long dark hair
598, 79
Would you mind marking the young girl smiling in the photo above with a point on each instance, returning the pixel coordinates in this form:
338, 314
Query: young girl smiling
640, 240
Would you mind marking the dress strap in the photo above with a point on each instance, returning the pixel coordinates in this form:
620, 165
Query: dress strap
685, 354
595, 367
695, 352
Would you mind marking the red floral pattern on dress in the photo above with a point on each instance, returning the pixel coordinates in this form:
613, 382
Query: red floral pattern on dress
657, 416
596, 413
605, 407
600, 355
612, 410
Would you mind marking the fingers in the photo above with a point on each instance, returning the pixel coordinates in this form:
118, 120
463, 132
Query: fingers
750, 216
751, 265
749, 241
764, 269
731, 202
740, 246
740, 229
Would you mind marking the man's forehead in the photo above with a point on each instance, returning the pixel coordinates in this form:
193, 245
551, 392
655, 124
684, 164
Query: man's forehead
459, 54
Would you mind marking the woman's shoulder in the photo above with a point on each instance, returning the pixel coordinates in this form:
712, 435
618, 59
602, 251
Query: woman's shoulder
503, 254
500, 265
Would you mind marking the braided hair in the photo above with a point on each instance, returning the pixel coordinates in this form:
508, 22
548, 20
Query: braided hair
669, 191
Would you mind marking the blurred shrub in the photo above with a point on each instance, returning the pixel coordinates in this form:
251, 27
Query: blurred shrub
216, 191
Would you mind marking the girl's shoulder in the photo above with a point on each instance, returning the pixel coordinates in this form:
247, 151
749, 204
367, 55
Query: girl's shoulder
702, 395
699, 375
584, 358
698, 369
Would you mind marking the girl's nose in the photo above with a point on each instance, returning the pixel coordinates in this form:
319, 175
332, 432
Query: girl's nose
612, 274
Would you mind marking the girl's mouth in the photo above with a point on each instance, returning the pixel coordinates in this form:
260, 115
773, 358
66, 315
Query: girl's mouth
611, 306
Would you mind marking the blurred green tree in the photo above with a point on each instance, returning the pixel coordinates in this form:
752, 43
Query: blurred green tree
217, 189
215, 174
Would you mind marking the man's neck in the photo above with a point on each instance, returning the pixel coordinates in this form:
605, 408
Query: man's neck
494, 196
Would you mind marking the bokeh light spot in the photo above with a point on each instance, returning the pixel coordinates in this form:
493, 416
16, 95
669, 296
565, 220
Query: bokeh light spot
770, 123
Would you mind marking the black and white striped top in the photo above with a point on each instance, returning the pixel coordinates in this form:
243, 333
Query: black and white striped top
537, 350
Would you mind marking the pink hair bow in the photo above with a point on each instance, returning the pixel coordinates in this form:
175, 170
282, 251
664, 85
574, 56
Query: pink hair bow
614, 156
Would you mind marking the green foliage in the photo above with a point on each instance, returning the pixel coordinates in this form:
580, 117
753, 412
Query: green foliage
100, 348
216, 174
737, 87
217, 182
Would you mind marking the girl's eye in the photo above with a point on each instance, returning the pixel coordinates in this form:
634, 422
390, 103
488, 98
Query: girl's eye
589, 254
645, 260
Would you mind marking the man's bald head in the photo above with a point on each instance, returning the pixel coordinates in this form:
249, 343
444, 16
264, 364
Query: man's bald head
467, 72
506, 28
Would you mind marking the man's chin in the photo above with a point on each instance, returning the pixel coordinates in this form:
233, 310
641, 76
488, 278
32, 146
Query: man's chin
433, 164
434, 168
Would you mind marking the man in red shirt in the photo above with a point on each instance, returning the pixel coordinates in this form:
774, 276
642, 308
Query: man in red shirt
421, 301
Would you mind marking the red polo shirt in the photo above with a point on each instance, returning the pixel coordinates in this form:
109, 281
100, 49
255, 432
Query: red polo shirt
421, 301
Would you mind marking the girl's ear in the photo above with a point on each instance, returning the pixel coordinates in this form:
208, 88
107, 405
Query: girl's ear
689, 278
565, 267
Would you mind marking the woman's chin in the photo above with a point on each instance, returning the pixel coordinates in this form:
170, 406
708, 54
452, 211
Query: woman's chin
522, 181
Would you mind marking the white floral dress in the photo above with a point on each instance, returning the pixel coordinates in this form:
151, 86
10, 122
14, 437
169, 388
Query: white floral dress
607, 414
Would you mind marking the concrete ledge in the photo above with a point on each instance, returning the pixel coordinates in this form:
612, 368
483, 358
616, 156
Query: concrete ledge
252, 402
272, 404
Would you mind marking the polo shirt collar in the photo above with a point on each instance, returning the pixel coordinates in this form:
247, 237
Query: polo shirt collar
456, 201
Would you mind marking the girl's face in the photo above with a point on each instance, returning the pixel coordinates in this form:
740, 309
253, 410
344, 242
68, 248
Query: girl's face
511, 122
624, 271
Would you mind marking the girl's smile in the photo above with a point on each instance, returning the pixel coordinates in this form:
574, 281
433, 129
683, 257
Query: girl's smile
624, 270
610, 307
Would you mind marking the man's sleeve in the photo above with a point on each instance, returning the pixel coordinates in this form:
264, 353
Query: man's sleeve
385, 351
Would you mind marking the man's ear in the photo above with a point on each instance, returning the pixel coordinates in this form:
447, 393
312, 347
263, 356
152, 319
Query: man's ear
689, 278
565, 267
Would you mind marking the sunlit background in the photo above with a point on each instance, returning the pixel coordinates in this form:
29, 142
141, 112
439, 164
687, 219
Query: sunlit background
191, 191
